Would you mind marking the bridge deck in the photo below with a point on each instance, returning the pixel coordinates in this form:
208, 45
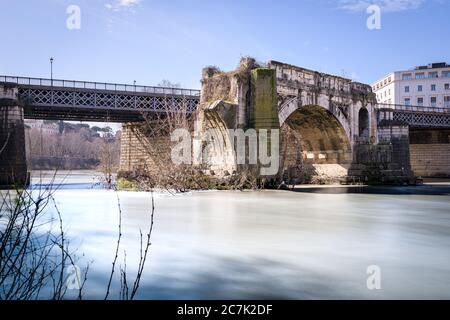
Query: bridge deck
418, 116
100, 101
94, 101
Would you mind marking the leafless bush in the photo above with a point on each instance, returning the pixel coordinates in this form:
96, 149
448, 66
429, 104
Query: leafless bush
34, 249
155, 143
33, 256
159, 171
109, 157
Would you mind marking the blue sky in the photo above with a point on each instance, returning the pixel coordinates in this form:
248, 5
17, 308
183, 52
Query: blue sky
151, 40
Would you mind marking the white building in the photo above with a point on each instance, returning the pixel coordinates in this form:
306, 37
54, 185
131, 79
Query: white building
49, 128
427, 86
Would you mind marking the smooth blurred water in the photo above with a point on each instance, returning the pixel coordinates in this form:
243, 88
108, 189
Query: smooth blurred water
313, 243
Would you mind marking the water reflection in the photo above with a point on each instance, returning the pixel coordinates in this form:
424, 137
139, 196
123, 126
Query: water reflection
427, 189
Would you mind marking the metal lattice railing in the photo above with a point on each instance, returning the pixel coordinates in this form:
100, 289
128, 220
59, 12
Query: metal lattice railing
62, 98
411, 108
418, 116
59, 83
423, 119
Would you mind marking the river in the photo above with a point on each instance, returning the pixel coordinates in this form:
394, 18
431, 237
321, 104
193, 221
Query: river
312, 243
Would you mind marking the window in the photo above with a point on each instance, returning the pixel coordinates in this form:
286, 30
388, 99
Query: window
433, 101
447, 86
407, 101
433, 87
406, 76
406, 88
445, 74
419, 88
420, 75
447, 101
420, 102
433, 74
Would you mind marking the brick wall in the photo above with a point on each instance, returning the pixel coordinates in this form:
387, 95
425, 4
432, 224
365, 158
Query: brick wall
430, 160
134, 150
139, 154
430, 152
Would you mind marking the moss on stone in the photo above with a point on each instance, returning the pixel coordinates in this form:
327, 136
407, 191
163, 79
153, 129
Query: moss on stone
264, 105
127, 185
265, 72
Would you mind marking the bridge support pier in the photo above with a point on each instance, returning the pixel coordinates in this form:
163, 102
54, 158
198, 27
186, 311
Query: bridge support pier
13, 165
387, 162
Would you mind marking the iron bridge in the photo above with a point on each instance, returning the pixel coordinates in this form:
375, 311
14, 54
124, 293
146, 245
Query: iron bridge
56, 99
418, 116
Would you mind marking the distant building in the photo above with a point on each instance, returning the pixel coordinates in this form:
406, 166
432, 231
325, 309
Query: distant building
42, 126
427, 86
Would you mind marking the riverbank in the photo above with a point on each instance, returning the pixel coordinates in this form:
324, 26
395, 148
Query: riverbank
91, 179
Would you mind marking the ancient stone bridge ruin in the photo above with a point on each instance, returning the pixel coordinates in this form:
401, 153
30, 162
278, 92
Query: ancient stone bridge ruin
328, 124
330, 128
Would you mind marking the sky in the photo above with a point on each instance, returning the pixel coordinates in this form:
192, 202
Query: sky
150, 40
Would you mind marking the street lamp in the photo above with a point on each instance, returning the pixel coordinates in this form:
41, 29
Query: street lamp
51, 70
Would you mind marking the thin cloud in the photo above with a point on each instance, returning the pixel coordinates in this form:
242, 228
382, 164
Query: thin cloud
385, 5
121, 5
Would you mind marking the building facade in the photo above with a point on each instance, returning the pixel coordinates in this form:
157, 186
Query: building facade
42, 126
427, 86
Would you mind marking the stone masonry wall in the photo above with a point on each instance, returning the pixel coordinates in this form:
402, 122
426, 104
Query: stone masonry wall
13, 167
430, 152
136, 150
430, 160
132, 156
385, 162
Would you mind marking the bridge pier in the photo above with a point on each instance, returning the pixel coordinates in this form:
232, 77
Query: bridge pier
13, 165
388, 161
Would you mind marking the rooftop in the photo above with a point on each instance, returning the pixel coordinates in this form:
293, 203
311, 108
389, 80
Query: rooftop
434, 65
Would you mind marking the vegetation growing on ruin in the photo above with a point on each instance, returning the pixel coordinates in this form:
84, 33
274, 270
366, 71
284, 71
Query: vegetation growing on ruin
124, 184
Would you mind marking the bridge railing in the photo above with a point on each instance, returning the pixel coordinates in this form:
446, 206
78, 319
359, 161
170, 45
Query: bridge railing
26, 81
402, 107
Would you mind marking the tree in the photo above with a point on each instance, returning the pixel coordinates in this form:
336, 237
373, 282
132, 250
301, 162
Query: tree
168, 84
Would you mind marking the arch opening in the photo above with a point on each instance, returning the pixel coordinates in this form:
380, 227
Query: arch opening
315, 146
363, 123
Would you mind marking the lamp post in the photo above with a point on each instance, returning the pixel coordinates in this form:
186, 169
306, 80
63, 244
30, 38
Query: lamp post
51, 71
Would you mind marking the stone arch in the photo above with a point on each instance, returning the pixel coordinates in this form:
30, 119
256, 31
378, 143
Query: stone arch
217, 147
315, 144
291, 105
